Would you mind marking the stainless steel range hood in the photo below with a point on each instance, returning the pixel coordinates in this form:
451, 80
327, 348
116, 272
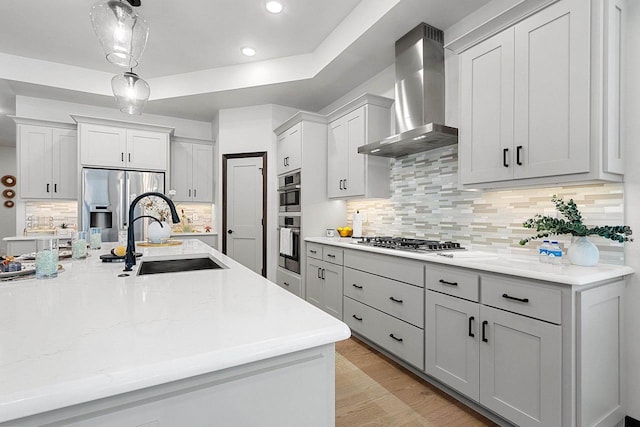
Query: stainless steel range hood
419, 92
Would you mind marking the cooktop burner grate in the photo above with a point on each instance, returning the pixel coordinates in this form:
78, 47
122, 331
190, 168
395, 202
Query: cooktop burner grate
404, 243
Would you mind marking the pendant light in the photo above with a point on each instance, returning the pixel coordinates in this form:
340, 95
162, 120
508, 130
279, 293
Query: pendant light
131, 92
121, 31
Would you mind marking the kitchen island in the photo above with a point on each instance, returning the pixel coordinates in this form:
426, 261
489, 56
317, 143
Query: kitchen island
223, 347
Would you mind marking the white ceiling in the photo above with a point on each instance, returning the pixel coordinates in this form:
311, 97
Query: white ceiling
308, 56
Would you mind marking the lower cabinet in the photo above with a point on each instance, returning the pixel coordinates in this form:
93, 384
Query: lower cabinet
289, 281
534, 353
400, 338
509, 363
324, 286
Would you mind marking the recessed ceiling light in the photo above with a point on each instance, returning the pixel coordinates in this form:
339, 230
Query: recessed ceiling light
274, 6
248, 51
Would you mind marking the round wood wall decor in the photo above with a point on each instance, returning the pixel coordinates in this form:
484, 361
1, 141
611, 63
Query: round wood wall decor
8, 180
8, 194
8, 204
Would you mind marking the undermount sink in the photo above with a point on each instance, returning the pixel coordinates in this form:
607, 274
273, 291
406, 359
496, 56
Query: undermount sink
178, 265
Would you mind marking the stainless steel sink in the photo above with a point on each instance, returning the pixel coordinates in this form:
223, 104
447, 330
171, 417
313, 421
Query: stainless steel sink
178, 265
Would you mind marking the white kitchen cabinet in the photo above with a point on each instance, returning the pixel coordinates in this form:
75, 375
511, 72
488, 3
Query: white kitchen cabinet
123, 145
192, 171
501, 347
324, 282
47, 160
384, 302
526, 103
289, 281
290, 149
520, 368
349, 173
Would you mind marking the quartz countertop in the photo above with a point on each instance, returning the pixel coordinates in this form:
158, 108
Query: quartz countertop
521, 266
193, 233
36, 237
89, 334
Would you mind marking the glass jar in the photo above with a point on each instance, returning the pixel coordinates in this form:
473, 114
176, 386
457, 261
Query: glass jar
47, 258
79, 245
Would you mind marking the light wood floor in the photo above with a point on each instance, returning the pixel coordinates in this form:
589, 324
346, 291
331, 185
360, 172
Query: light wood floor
372, 390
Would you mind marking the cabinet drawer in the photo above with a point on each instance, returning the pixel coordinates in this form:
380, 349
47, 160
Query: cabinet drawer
393, 267
398, 337
453, 281
314, 250
406, 302
289, 281
332, 255
522, 298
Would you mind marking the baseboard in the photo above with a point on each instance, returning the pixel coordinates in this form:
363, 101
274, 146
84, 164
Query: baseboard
631, 422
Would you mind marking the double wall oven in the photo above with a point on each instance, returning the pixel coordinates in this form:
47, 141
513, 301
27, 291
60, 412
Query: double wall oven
289, 221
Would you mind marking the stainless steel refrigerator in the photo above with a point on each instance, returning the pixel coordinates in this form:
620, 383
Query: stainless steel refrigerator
106, 195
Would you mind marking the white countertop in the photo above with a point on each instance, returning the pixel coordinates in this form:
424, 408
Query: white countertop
88, 334
35, 237
198, 233
521, 266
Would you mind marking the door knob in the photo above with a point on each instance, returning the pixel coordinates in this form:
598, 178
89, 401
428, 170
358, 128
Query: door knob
230, 232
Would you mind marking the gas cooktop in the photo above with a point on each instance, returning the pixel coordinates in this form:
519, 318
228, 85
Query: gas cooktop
406, 244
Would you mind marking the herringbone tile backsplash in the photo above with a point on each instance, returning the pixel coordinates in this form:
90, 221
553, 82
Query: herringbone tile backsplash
426, 203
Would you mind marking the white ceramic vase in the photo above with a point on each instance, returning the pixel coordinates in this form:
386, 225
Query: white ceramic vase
158, 234
583, 252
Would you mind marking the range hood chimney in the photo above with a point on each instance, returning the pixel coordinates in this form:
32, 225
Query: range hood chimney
419, 103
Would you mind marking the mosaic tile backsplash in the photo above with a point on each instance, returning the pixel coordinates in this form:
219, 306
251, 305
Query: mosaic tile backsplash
54, 214
425, 203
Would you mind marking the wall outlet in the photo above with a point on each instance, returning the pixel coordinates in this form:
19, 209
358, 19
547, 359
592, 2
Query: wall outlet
195, 217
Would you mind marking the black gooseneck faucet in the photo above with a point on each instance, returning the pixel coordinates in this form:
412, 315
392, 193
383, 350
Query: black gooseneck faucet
130, 257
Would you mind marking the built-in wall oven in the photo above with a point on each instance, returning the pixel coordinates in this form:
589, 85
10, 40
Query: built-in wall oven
289, 247
289, 192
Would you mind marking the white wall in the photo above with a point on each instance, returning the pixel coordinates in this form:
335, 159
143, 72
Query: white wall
632, 206
245, 130
7, 215
59, 111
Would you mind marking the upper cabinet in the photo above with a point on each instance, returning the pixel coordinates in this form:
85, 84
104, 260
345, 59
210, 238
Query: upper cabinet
192, 170
125, 145
290, 149
349, 173
529, 95
47, 160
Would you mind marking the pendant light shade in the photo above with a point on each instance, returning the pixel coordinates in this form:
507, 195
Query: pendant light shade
131, 92
121, 31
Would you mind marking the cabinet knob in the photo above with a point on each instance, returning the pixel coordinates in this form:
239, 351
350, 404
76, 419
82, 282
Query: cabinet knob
229, 231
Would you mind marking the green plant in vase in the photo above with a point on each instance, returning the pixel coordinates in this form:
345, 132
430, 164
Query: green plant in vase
582, 251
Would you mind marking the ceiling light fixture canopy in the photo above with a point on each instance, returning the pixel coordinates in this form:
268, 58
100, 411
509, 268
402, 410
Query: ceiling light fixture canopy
121, 31
131, 92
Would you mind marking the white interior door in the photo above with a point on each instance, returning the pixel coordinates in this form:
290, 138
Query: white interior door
244, 211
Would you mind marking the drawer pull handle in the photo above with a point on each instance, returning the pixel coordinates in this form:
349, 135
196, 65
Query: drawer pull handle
484, 331
319, 270
395, 338
507, 296
471, 334
518, 150
504, 157
359, 319
399, 301
331, 255
357, 286
286, 284
312, 251
444, 282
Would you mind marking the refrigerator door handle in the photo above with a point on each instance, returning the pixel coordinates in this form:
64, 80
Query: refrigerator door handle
126, 196
123, 219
